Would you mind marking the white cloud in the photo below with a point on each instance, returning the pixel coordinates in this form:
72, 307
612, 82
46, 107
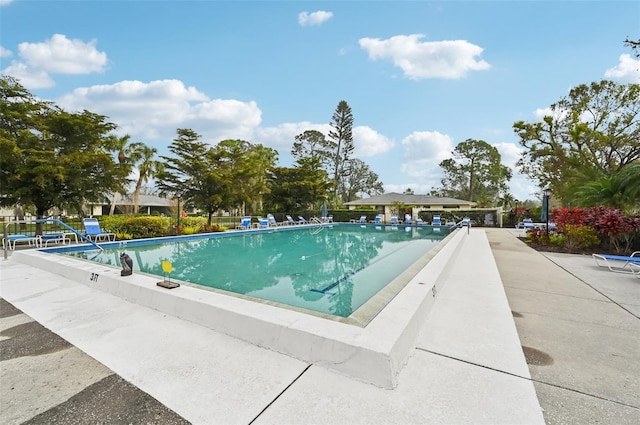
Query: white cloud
282, 136
156, 109
314, 18
449, 59
369, 142
63, 56
423, 152
56, 55
29, 77
509, 152
626, 71
5, 53
5, 2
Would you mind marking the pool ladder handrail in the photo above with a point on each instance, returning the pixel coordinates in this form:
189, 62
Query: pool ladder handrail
63, 224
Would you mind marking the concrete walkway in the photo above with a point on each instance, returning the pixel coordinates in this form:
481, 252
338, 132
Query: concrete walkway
579, 325
582, 345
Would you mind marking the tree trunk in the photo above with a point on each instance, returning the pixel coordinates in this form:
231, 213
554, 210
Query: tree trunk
136, 197
113, 204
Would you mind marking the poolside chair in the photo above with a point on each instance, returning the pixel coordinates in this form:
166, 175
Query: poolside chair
263, 223
394, 219
53, 238
10, 242
436, 221
301, 220
419, 221
245, 223
635, 269
408, 219
93, 231
362, 219
290, 220
377, 220
618, 263
525, 225
327, 219
272, 221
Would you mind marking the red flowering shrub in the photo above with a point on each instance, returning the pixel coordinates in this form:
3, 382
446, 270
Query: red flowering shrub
564, 216
609, 224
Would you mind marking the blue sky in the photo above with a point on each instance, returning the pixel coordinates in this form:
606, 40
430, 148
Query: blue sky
419, 76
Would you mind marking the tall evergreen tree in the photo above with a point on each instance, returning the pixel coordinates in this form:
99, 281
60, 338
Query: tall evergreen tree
192, 174
341, 137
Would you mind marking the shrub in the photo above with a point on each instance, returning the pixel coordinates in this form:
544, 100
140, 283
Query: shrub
136, 227
565, 216
557, 239
610, 226
537, 236
580, 237
190, 230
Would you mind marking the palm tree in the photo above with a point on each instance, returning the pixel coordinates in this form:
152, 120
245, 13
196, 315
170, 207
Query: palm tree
147, 168
630, 181
621, 190
122, 148
506, 201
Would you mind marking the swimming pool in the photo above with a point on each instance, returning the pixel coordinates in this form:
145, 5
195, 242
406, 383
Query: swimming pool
372, 344
332, 270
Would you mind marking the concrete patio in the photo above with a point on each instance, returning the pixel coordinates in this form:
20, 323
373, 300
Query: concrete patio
576, 325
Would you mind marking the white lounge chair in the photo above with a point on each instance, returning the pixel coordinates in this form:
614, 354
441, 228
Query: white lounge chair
618, 263
272, 221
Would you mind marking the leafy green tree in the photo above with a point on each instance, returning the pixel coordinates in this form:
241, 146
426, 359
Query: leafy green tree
634, 44
360, 179
592, 133
192, 174
341, 143
246, 165
52, 158
298, 188
474, 172
313, 144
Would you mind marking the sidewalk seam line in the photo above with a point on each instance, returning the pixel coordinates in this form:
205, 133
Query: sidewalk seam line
279, 394
599, 292
528, 379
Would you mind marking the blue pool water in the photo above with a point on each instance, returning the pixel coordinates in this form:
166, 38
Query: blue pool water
329, 269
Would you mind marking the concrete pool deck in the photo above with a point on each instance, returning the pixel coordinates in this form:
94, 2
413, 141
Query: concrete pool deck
467, 366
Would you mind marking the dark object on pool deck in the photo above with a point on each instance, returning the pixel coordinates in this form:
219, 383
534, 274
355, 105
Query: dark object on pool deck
168, 284
127, 265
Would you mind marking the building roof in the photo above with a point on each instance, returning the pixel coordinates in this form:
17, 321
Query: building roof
409, 199
145, 200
